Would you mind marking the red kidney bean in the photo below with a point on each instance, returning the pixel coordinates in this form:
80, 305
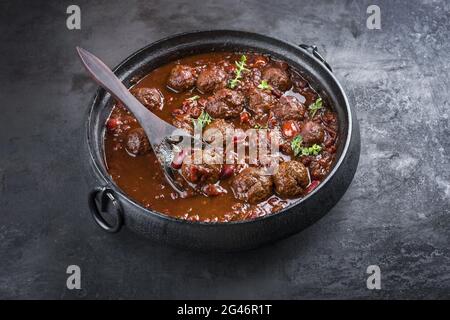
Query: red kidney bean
177, 161
312, 186
277, 93
112, 124
227, 171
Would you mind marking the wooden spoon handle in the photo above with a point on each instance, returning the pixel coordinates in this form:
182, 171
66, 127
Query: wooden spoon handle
155, 128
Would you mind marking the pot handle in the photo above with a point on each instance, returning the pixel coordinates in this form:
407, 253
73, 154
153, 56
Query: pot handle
106, 197
313, 49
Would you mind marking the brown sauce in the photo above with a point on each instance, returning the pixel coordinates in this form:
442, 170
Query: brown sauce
138, 172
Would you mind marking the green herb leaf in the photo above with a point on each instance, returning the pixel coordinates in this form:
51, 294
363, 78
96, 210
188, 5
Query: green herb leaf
315, 149
241, 67
264, 85
298, 149
258, 126
203, 120
193, 98
315, 106
234, 82
296, 145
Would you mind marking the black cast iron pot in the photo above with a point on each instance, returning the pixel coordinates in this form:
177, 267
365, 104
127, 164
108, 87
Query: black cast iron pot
111, 208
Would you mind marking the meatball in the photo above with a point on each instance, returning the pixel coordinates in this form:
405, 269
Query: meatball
225, 103
319, 168
151, 98
298, 82
184, 122
277, 78
181, 78
257, 61
232, 97
260, 101
210, 78
206, 172
312, 133
310, 95
289, 108
251, 78
137, 142
252, 186
218, 125
291, 179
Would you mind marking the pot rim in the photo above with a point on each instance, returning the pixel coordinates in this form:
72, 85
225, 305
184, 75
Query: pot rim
106, 177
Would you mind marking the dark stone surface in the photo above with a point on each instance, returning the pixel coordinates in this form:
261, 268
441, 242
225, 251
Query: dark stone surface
395, 214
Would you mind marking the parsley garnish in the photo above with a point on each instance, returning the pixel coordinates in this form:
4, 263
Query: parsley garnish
315, 106
264, 85
296, 145
313, 150
241, 66
258, 126
203, 120
193, 98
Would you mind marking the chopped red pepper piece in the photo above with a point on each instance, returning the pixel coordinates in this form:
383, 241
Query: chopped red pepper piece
245, 117
290, 129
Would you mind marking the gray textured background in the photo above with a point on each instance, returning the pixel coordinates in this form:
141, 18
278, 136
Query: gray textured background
395, 214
